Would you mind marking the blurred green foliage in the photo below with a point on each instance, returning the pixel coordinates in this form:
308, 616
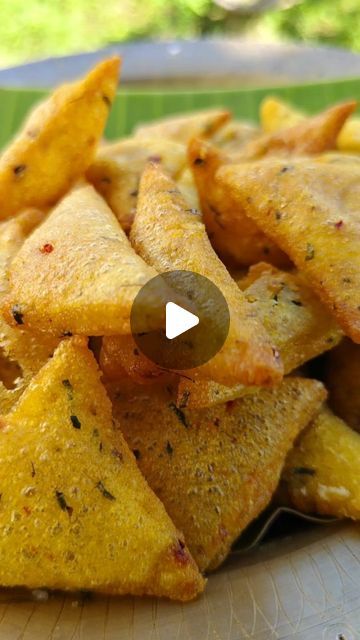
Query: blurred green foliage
37, 28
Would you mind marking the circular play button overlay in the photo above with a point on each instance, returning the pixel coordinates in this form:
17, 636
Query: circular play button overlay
179, 320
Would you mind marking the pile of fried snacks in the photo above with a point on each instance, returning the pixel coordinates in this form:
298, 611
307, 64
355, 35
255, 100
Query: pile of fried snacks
120, 476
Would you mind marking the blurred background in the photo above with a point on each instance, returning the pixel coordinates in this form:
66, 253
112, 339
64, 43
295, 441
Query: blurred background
34, 29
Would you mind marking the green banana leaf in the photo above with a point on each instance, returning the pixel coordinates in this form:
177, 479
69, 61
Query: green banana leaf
133, 106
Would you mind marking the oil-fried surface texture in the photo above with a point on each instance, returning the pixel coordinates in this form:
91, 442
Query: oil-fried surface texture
169, 236
77, 272
195, 393
22, 353
75, 511
215, 470
58, 141
235, 237
343, 382
117, 168
184, 127
119, 356
310, 136
322, 471
311, 209
298, 324
276, 114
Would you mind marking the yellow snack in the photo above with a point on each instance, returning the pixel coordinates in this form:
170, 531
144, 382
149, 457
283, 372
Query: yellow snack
119, 357
183, 127
234, 134
247, 355
58, 141
116, 171
343, 382
276, 114
235, 237
215, 470
76, 512
349, 136
296, 321
310, 136
77, 272
311, 209
22, 353
322, 471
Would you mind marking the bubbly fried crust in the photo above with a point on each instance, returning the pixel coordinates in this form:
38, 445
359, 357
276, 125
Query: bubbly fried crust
215, 470
322, 471
235, 237
247, 355
311, 210
77, 272
310, 136
117, 168
84, 516
58, 141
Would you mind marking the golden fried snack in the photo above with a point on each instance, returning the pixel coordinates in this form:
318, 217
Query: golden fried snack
247, 355
343, 382
77, 272
310, 136
76, 512
235, 237
116, 171
22, 353
216, 469
276, 114
120, 356
194, 393
183, 127
186, 184
298, 324
322, 471
311, 209
349, 136
233, 135
58, 141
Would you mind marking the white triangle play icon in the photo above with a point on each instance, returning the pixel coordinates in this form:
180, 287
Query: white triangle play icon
178, 320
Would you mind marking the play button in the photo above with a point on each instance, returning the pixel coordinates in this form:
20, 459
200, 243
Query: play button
179, 320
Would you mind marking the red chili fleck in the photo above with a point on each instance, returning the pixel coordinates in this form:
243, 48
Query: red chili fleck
47, 248
180, 553
339, 224
223, 533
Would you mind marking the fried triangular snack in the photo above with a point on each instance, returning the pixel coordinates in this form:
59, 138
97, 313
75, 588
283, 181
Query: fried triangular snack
117, 168
77, 272
184, 127
22, 353
298, 324
311, 209
235, 237
216, 469
171, 237
276, 114
311, 136
75, 511
58, 141
322, 471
